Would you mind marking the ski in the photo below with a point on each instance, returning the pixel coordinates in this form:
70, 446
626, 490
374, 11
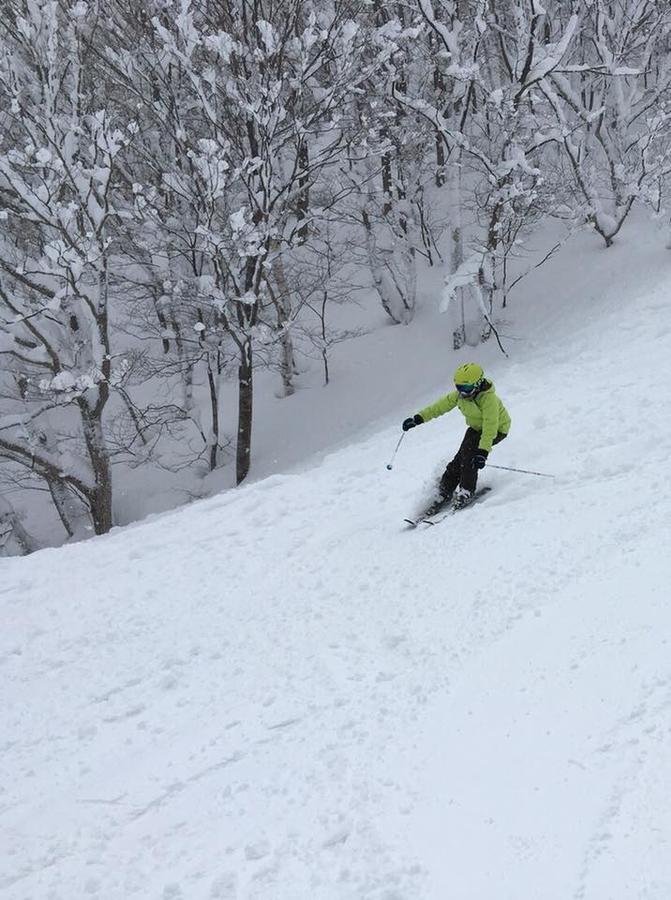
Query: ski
477, 496
438, 515
433, 510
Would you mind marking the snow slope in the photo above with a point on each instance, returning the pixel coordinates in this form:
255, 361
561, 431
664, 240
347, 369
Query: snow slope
280, 693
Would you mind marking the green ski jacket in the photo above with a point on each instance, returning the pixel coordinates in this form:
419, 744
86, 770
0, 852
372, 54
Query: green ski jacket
484, 412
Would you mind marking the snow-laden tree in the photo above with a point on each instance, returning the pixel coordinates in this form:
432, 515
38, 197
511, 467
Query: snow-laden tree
483, 101
395, 175
611, 98
59, 154
248, 98
390, 171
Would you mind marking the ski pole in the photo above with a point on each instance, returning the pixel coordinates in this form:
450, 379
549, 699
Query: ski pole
390, 464
524, 471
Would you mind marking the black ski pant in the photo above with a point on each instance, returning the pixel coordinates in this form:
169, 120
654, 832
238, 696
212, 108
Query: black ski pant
461, 471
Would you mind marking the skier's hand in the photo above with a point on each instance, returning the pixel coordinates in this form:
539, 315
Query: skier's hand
411, 422
480, 458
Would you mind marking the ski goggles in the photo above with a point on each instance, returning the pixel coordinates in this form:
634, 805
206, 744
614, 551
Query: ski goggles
466, 389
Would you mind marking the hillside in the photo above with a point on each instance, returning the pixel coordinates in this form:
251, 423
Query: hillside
280, 693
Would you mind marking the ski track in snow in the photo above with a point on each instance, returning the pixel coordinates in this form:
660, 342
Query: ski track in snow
280, 693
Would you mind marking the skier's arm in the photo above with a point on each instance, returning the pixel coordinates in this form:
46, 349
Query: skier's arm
445, 404
489, 407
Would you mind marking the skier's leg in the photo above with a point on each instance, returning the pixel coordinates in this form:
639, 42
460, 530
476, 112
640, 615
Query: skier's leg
452, 473
468, 474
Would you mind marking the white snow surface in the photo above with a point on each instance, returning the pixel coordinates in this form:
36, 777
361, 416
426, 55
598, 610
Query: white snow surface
281, 693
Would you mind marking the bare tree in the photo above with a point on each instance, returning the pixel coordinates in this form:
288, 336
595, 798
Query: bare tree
229, 201
611, 104
57, 168
492, 61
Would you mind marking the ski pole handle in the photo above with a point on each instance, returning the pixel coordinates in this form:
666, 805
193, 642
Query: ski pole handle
390, 464
523, 471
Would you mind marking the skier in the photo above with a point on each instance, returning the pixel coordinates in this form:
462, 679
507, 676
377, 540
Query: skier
488, 424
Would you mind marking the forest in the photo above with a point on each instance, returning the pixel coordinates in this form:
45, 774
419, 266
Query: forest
188, 190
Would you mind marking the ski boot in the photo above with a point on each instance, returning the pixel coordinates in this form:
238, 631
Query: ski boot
437, 506
461, 497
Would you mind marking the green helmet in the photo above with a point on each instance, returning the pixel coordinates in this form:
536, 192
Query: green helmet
468, 378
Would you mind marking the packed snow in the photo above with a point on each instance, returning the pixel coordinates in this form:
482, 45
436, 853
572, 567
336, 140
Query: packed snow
282, 693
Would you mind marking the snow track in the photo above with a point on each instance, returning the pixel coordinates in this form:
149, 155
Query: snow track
282, 694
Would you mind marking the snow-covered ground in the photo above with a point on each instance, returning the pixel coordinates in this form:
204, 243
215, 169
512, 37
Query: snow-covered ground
280, 693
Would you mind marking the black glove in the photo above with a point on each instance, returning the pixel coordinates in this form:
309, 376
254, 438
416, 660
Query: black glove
480, 458
412, 421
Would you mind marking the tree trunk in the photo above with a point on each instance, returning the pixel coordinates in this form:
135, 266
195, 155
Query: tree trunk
245, 408
101, 506
457, 248
283, 303
303, 204
62, 501
287, 362
100, 495
439, 87
214, 408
